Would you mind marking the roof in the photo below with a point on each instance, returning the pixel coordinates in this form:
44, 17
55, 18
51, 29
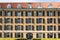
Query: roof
34, 4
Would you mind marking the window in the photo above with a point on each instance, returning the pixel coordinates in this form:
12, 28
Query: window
7, 35
9, 13
19, 35
19, 6
0, 20
29, 20
8, 27
39, 27
39, 35
39, 20
54, 35
19, 20
0, 13
58, 13
50, 35
19, 27
0, 35
19, 13
29, 6
58, 35
40, 6
29, 14
50, 28
59, 20
50, 6
50, 13
58, 28
0, 27
55, 20
9, 6
40, 13
29, 27
54, 28
49, 20
8, 20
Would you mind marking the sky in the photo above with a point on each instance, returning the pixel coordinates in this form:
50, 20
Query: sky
29, 0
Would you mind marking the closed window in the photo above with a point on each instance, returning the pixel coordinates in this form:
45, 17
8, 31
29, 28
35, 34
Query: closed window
0, 35
50, 28
8, 27
58, 13
49, 13
8, 20
40, 13
58, 28
18, 35
19, 27
18, 20
50, 35
54, 28
29, 27
29, 14
1, 20
9, 13
0, 13
39, 20
55, 20
19, 13
7, 35
59, 20
49, 20
40, 27
0, 27
29, 20
58, 35
54, 35
39, 35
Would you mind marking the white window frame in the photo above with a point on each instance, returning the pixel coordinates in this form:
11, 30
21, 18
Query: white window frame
29, 6
39, 6
50, 6
19, 6
8, 5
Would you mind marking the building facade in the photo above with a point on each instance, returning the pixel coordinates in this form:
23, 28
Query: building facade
39, 20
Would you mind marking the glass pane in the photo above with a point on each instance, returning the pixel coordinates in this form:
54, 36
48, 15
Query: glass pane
40, 35
7, 35
39, 27
29, 14
18, 35
50, 28
50, 13
50, 35
40, 14
9, 14
28, 20
0, 27
19, 14
28, 27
